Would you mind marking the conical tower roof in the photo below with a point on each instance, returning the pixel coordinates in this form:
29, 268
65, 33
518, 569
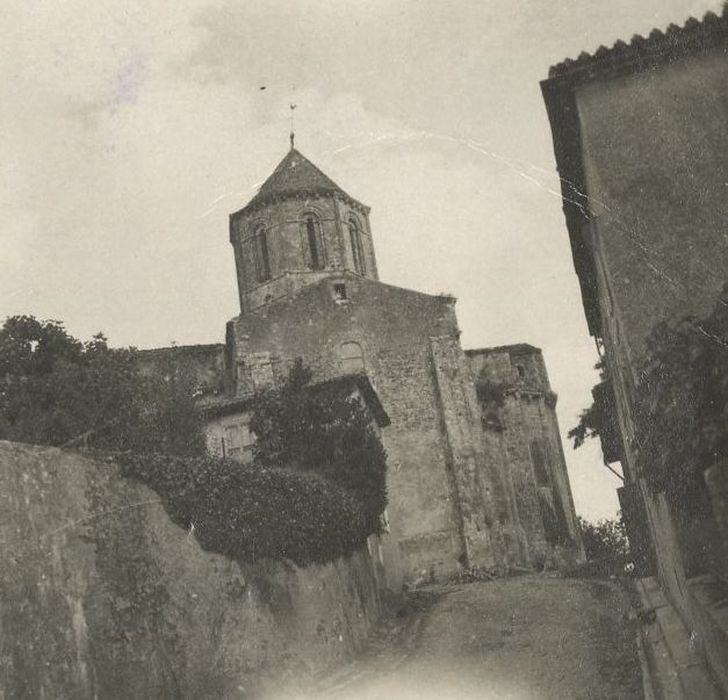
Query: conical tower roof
295, 176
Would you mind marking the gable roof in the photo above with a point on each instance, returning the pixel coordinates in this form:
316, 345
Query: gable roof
295, 176
345, 382
559, 93
512, 349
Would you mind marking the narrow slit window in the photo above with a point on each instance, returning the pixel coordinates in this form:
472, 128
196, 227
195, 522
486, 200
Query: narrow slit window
312, 241
538, 459
262, 258
357, 250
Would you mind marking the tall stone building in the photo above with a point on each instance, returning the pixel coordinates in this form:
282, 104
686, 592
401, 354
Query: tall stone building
518, 412
471, 481
640, 134
460, 492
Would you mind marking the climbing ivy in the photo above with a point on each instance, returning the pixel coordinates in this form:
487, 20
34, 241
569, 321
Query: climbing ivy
322, 429
681, 410
680, 406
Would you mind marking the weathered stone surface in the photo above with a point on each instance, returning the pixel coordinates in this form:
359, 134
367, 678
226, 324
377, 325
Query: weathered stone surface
393, 328
527, 432
102, 596
451, 501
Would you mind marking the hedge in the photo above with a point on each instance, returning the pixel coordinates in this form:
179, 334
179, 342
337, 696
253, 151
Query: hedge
250, 513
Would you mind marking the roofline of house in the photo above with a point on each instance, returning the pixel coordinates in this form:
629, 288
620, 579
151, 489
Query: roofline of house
513, 349
183, 349
362, 382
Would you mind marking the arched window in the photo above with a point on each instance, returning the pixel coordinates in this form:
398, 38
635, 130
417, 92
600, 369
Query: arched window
538, 458
313, 241
352, 357
357, 250
260, 250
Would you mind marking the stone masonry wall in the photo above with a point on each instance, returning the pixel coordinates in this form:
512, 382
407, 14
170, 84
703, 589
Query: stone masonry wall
477, 486
204, 364
288, 244
102, 596
393, 327
528, 433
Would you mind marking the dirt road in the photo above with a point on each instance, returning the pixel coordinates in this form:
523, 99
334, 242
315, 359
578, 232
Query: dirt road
517, 639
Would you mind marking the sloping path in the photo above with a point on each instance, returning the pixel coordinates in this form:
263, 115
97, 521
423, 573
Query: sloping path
522, 638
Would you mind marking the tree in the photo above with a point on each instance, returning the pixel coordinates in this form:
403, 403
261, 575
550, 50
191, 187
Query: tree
680, 407
681, 411
606, 545
324, 429
56, 390
599, 418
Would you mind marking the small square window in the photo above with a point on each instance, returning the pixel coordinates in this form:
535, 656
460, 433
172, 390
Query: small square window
340, 292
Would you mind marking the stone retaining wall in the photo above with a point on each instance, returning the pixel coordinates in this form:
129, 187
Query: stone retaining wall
102, 596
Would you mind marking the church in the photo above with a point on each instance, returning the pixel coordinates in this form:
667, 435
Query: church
476, 470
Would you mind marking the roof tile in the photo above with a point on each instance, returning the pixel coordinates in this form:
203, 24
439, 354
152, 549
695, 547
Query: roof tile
295, 175
693, 35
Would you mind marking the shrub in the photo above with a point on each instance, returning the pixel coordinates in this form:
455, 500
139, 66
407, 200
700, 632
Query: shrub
605, 546
321, 428
490, 392
250, 513
492, 398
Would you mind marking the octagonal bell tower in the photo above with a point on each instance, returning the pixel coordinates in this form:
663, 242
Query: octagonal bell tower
299, 227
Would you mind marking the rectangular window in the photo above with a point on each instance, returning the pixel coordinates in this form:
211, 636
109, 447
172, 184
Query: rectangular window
352, 357
233, 442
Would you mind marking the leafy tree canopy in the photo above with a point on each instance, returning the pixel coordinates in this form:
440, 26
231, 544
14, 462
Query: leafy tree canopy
606, 545
594, 420
681, 411
680, 407
323, 429
57, 390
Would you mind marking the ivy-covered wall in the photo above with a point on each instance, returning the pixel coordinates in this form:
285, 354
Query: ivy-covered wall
101, 595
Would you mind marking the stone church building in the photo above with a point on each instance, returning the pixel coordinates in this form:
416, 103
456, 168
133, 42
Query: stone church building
476, 473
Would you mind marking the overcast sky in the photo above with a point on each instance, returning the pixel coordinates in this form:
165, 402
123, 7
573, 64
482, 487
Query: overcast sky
129, 131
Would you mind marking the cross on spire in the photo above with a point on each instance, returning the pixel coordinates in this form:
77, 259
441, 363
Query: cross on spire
293, 135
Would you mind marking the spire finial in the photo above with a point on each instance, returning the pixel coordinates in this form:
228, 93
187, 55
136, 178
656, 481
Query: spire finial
293, 135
